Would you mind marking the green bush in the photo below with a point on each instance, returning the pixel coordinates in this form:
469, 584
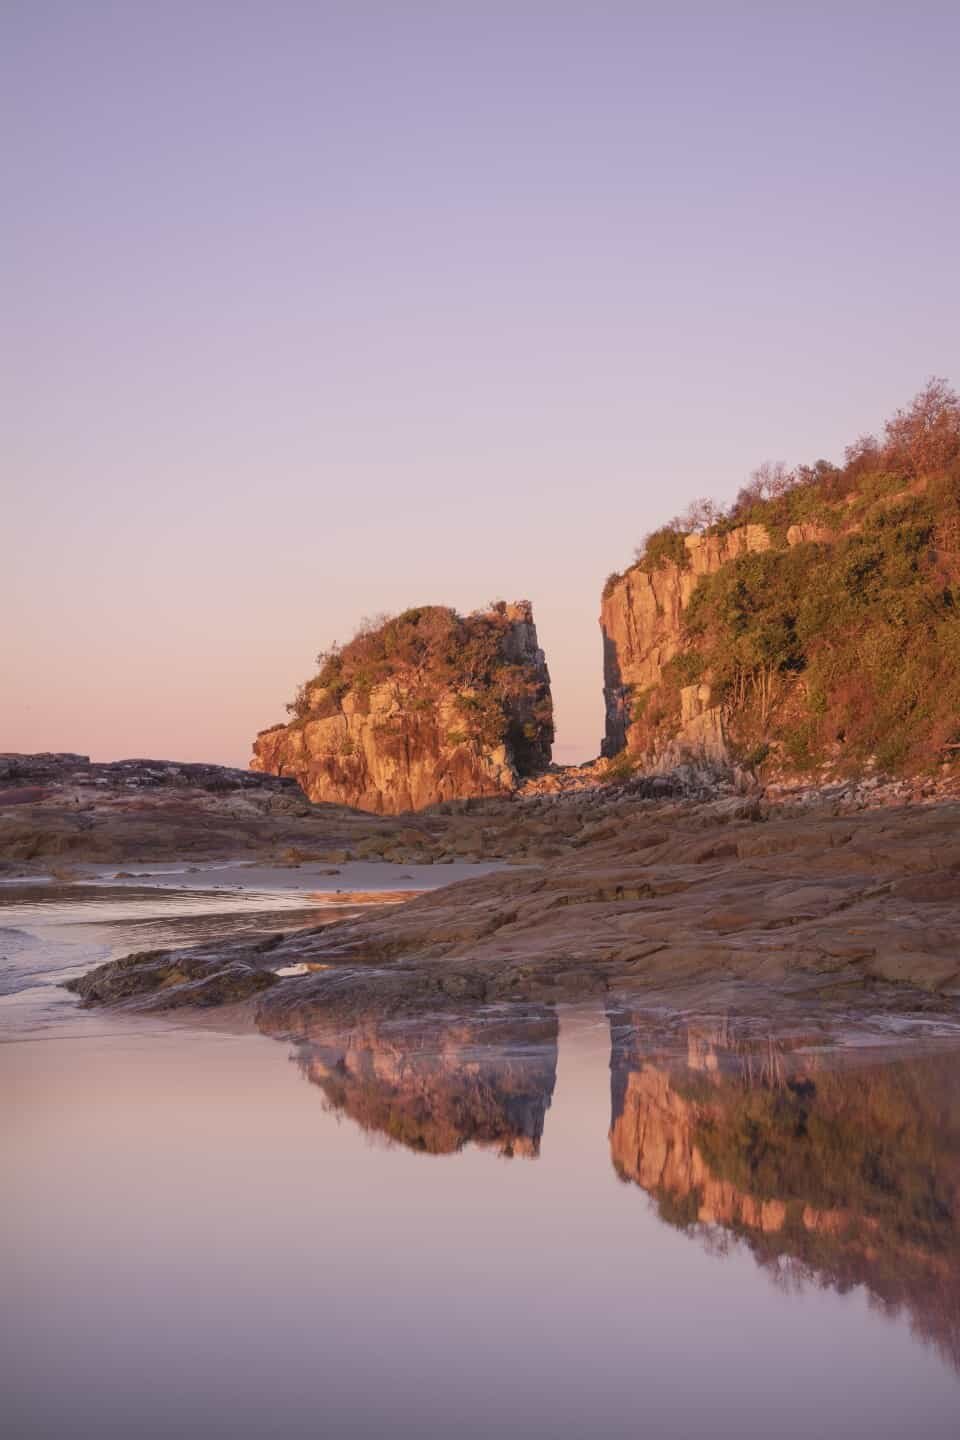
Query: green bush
847, 646
664, 547
620, 769
866, 623
685, 669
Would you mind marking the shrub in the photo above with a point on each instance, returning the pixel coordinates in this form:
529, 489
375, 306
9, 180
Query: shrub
921, 440
870, 621
685, 669
663, 547
620, 769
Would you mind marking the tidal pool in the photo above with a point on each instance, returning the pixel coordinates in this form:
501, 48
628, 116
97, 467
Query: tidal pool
526, 1221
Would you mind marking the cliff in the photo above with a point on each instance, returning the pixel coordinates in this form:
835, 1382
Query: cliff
813, 627
642, 622
425, 707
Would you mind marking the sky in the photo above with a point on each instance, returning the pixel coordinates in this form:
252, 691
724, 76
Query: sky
317, 310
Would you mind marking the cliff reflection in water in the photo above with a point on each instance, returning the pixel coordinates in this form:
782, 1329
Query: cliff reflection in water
836, 1171
836, 1166
439, 1083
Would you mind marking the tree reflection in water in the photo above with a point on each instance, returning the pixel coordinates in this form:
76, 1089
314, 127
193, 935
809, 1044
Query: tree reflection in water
836, 1165
438, 1083
837, 1168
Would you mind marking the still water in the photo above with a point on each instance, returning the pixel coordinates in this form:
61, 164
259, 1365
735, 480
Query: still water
589, 1221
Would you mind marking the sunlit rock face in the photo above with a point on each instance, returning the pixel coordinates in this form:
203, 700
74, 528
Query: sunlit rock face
427, 707
844, 1172
641, 617
438, 1084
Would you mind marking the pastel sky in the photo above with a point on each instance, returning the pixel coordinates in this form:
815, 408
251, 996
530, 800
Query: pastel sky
315, 310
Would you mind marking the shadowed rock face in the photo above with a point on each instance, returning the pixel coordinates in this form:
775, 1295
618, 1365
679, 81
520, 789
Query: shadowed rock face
432, 706
438, 1083
843, 1173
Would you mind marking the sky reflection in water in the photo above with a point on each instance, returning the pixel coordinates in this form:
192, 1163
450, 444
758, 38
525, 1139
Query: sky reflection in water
209, 1239
505, 1222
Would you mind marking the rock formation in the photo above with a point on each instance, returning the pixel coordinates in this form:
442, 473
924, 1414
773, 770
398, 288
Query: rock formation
819, 637
63, 808
426, 707
53, 772
787, 907
641, 617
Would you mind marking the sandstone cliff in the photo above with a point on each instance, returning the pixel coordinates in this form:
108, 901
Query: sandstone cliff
426, 707
641, 618
814, 629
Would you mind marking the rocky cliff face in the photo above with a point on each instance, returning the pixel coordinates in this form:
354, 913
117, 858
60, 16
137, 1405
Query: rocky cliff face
641, 618
820, 637
429, 706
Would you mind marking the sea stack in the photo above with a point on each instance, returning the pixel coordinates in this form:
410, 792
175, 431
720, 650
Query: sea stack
420, 708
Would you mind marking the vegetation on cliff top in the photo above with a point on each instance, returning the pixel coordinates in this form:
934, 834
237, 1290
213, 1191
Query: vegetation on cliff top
844, 644
923, 439
431, 650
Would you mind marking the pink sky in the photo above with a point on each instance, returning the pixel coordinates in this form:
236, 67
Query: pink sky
314, 311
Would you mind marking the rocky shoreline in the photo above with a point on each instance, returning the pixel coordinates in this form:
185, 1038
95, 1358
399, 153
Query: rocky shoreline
692, 882
636, 896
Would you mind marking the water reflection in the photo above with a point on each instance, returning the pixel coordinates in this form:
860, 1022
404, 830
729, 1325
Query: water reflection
836, 1170
836, 1167
438, 1084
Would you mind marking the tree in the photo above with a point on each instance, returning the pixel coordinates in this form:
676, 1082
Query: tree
925, 437
699, 515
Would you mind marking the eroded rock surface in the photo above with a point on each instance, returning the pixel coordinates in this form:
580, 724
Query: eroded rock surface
199, 976
669, 897
60, 811
430, 706
63, 809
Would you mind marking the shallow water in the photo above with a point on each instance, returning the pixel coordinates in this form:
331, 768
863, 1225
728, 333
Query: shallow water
531, 1223
51, 931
